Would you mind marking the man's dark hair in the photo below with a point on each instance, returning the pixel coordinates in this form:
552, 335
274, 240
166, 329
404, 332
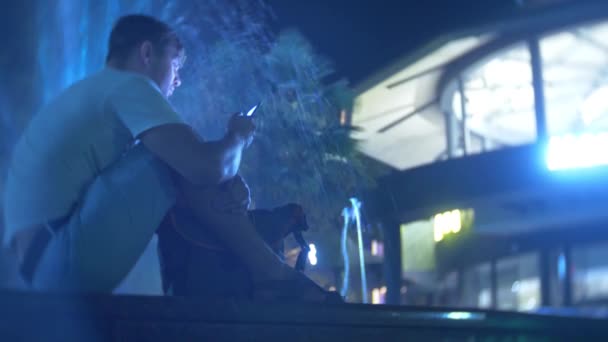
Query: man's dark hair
132, 30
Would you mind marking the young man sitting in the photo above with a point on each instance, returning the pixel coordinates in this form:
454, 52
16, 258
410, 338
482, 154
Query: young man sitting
92, 176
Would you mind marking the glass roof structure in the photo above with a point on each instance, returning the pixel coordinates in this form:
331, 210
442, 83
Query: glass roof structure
411, 114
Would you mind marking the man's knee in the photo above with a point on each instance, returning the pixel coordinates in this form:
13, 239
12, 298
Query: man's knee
119, 215
143, 179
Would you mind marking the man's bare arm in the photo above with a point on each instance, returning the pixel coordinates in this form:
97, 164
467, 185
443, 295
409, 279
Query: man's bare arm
199, 162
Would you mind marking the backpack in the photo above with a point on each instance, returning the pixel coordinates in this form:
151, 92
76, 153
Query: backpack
194, 262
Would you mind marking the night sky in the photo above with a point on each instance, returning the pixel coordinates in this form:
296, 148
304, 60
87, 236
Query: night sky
362, 36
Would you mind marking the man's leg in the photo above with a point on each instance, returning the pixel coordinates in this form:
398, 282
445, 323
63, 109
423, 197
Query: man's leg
232, 226
215, 209
110, 228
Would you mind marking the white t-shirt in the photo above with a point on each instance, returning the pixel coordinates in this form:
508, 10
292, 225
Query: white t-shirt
76, 136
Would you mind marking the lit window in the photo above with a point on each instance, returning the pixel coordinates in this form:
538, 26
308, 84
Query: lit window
377, 248
595, 106
575, 93
379, 295
499, 100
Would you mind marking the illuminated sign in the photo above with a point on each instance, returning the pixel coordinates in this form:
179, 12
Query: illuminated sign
446, 223
451, 222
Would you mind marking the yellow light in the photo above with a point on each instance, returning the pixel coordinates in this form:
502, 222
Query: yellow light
374, 247
455, 221
438, 235
383, 290
446, 223
376, 296
437, 224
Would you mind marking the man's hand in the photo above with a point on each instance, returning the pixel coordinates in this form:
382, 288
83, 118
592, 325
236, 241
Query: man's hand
242, 127
233, 196
200, 162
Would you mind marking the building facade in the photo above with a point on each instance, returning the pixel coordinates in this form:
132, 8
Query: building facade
498, 138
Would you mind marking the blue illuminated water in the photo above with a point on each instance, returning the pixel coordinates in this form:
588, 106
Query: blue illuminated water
352, 216
63, 41
344, 246
73, 36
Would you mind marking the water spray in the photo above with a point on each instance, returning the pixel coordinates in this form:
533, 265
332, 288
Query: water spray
353, 214
346, 215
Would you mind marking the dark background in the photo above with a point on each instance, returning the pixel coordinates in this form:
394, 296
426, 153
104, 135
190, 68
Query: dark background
362, 36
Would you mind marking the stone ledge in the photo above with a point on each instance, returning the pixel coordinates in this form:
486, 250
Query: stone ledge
57, 317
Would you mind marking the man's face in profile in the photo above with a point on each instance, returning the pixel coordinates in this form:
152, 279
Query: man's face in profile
165, 66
